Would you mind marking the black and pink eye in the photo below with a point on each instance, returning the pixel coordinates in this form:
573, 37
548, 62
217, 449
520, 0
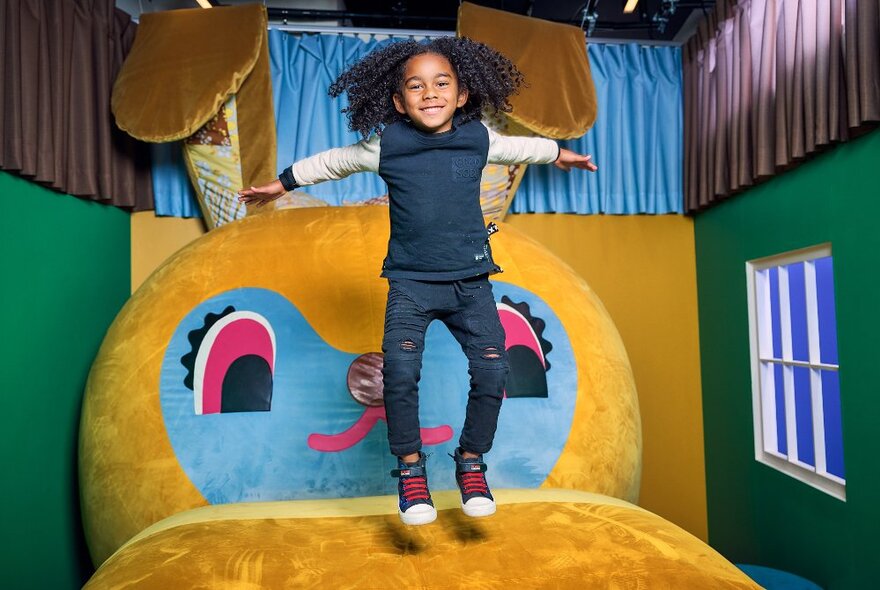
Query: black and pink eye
231, 363
526, 348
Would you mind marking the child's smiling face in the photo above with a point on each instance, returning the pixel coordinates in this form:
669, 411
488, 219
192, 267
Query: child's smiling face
430, 93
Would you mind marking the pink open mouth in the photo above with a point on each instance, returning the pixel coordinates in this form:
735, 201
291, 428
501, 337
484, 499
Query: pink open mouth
365, 386
333, 443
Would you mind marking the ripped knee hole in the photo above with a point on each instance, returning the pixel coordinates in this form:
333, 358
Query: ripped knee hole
491, 353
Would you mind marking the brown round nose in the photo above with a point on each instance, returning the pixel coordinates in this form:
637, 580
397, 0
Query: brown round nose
365, 379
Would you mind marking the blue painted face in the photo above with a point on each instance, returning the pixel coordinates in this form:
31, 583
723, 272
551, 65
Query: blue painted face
258, 407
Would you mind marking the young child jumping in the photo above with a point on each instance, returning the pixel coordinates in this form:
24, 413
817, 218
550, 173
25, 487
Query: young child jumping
418, 107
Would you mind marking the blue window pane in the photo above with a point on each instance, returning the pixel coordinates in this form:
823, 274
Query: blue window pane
798, 300
833, 426
827, 319
781, 431
774, 312
803, 415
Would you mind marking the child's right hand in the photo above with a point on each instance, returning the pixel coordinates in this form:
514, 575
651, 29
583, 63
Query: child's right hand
260, 195
568, 159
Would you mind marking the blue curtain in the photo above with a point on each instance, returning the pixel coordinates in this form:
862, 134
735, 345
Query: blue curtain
308, 120
173, 195
636, 141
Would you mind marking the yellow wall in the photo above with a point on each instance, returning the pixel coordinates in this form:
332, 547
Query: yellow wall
643, 268
154, 239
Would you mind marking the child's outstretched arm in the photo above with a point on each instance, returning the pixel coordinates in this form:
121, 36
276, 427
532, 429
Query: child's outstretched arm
332, 164
509, 150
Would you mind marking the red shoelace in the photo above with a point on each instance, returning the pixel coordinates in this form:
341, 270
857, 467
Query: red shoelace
473, 483
415, 488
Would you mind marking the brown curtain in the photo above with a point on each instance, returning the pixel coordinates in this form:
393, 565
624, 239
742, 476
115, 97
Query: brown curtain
58, 60
768, 82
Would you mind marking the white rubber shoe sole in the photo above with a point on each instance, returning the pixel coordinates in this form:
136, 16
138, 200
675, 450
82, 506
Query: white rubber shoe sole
418, 515
478, 507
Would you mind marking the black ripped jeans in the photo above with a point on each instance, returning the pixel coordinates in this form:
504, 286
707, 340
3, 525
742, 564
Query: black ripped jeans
467, 307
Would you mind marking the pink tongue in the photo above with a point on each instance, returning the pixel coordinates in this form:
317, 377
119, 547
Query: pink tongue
333, 443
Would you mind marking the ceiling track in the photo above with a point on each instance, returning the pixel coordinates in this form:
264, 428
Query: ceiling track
400, 19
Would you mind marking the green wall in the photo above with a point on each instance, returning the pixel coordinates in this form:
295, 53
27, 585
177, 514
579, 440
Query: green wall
756, 514
65, 274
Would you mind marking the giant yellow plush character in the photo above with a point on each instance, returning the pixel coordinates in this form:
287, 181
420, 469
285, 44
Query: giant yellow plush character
233, 434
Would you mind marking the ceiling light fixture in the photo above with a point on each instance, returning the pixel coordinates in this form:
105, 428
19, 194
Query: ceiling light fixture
630, 6
589, 16
661, 18
204, 3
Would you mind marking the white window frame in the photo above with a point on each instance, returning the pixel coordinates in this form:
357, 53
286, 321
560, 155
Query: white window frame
763, 383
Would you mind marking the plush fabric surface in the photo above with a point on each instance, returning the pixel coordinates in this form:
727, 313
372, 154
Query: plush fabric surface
325, 262
538, 539
560, 100
256, 118
183, 66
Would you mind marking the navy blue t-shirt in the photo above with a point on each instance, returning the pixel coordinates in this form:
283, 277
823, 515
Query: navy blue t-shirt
437, 227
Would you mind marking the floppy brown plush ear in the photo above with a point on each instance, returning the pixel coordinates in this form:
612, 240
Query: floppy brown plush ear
181, 71
560, 99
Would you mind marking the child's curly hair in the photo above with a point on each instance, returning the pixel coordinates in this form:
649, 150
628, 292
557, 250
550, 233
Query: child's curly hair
489, 77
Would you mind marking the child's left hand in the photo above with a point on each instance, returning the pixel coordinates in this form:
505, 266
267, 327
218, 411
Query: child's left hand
568, 159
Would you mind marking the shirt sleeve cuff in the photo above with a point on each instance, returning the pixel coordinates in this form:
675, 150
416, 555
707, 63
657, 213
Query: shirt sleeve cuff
287, 179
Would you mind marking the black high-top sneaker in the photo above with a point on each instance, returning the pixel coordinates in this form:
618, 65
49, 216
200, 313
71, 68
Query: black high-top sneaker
470, 474
415, 506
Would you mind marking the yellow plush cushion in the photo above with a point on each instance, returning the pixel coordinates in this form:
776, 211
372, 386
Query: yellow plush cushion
325, 261
538, 539
560, 100
183, 66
